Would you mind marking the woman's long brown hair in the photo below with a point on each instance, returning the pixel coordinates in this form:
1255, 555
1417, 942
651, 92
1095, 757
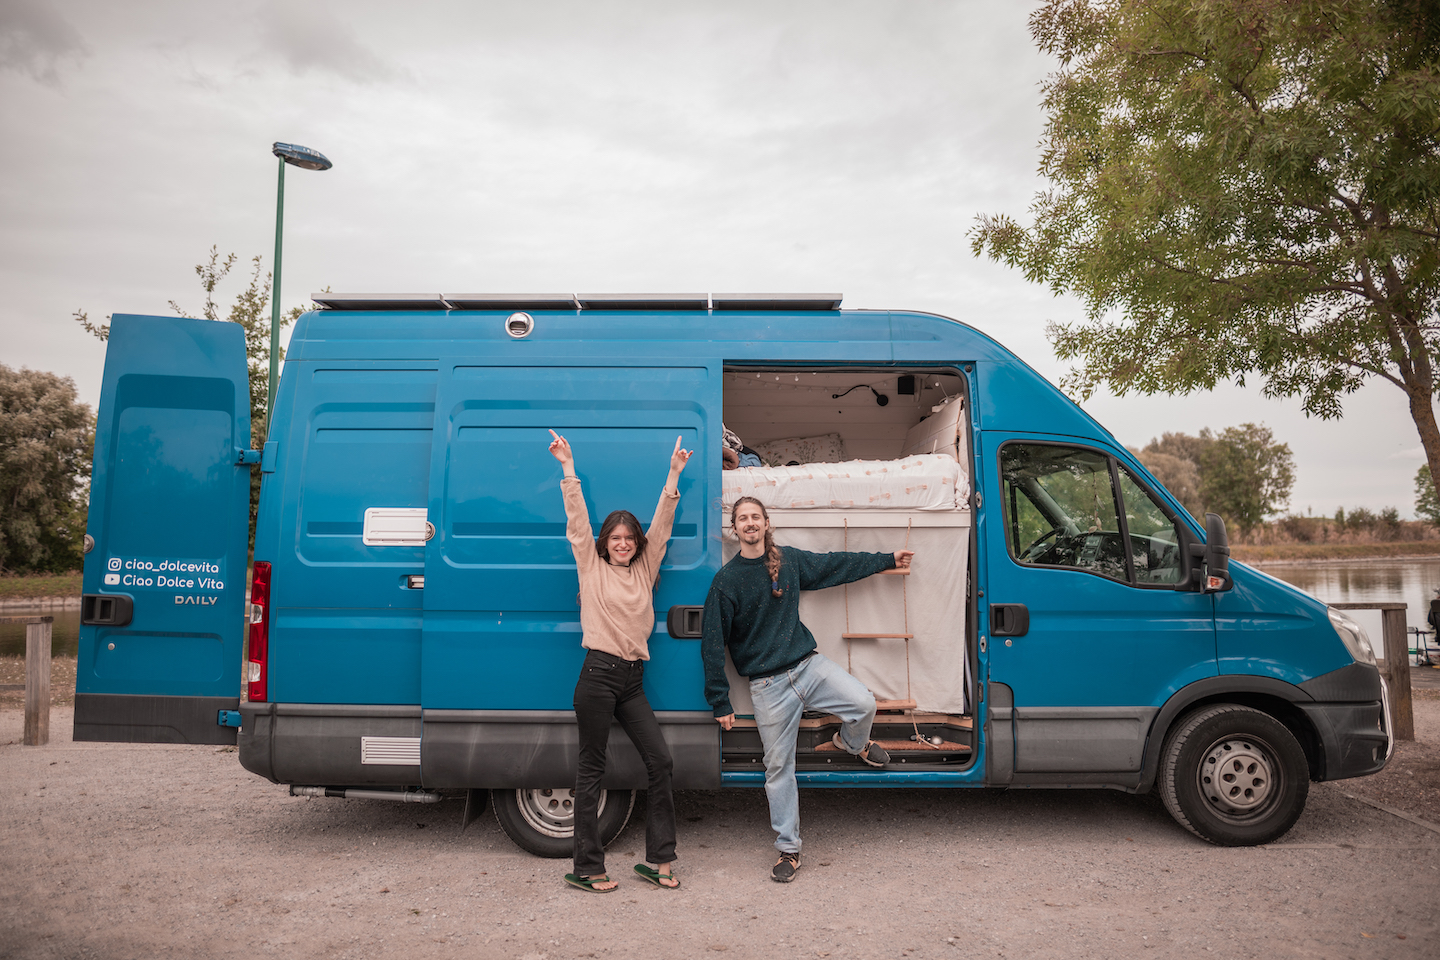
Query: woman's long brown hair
772, 552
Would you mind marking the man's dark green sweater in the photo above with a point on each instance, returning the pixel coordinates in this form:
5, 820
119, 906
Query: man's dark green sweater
764, 632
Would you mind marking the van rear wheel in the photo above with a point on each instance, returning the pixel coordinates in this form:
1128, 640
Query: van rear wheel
1234, 776
542, 820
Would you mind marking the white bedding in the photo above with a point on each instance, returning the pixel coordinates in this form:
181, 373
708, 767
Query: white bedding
923, 482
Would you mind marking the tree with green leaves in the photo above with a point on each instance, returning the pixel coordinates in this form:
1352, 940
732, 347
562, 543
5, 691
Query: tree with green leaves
1240, 473
1241, 187
1427, 504
45, 440
1245, 475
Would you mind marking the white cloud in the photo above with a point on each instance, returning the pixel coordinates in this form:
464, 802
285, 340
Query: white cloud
35, 40
313, 38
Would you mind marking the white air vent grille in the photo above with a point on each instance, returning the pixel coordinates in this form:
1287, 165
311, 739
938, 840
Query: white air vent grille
395, 527
393, 751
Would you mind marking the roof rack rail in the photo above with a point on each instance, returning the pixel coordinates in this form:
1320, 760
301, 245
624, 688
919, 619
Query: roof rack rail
581, 301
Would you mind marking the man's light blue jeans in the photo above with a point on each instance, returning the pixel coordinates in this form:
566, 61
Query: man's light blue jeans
815, 683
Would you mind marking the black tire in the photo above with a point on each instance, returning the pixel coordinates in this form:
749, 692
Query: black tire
542, 821
1234, 776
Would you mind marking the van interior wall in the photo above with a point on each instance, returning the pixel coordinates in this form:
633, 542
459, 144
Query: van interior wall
761, 406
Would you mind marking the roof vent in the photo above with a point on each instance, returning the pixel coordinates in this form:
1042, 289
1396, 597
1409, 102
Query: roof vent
519, 324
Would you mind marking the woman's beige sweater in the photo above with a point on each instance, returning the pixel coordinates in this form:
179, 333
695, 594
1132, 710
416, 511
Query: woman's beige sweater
617, 604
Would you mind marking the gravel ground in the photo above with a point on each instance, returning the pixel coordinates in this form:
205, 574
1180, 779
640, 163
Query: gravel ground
129, 851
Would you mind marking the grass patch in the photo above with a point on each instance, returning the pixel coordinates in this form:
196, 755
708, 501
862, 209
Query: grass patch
1334, 551
40, 585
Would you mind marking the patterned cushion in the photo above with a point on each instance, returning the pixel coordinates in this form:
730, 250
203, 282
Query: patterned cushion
827, 448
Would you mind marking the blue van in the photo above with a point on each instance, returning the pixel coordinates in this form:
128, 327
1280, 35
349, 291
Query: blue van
412, 630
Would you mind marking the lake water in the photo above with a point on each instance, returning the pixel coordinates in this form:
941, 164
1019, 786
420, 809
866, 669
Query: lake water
64, 632
1346, 581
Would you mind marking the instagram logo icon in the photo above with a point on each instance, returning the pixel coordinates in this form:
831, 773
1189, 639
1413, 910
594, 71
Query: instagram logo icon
114, 563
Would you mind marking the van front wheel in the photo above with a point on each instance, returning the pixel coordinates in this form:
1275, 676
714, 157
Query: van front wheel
542, 820
1234, 776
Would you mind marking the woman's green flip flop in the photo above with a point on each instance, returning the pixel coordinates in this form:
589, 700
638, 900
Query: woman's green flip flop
654, 877
588, 883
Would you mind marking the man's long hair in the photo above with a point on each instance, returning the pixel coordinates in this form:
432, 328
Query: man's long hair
772, 552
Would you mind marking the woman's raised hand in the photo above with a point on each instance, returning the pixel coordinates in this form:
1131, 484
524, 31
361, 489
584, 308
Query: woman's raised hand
679, 458
560, 449
902, 558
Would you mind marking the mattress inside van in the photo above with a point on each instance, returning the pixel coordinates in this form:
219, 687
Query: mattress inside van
923, 482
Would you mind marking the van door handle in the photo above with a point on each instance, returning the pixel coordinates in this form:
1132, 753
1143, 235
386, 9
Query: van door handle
685, 623
1009, 620
106, 609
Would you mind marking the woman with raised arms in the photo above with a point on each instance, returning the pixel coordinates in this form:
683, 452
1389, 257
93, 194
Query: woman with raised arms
618, 571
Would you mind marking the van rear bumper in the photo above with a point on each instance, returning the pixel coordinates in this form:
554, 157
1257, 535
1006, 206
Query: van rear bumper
1355, 737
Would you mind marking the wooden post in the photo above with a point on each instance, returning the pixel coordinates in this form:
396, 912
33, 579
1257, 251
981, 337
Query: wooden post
1397, 654
37, 681
1397, 664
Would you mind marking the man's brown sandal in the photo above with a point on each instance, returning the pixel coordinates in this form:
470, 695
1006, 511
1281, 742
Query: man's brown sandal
785, 868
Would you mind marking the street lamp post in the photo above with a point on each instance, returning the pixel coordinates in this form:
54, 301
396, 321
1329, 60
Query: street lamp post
306, 159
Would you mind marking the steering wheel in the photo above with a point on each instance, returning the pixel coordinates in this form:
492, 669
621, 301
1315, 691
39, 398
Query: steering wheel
1030, 551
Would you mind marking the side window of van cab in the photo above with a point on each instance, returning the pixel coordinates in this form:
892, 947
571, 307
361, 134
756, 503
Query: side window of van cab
1079, 509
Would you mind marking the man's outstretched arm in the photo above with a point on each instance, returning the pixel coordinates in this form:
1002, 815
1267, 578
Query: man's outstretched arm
817, 571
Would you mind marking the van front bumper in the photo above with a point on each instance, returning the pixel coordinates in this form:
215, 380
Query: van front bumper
1356, 737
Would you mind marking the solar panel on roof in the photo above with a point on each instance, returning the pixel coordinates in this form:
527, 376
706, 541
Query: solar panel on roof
585, 301
511, 301
644, 301
777, 301
381, 301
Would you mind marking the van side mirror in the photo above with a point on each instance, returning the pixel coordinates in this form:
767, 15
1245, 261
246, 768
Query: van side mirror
1209, 561
1217, 556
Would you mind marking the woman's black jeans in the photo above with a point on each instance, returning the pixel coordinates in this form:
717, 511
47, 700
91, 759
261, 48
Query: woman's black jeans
610, 689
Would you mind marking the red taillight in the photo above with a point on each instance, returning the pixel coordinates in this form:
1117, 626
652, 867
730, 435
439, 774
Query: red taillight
258, 655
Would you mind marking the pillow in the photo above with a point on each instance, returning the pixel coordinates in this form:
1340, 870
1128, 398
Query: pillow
827, 448
937, 433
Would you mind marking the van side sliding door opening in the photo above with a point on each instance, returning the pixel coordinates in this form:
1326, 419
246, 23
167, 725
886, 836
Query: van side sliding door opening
873, 460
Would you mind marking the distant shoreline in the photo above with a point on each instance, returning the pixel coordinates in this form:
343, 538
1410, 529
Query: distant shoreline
42, 603
1315, 553
1320, 561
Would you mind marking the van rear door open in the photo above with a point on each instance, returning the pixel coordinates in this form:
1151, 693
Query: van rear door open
163, 612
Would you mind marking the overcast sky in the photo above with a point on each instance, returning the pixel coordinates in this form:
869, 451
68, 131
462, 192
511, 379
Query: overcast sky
543, 146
